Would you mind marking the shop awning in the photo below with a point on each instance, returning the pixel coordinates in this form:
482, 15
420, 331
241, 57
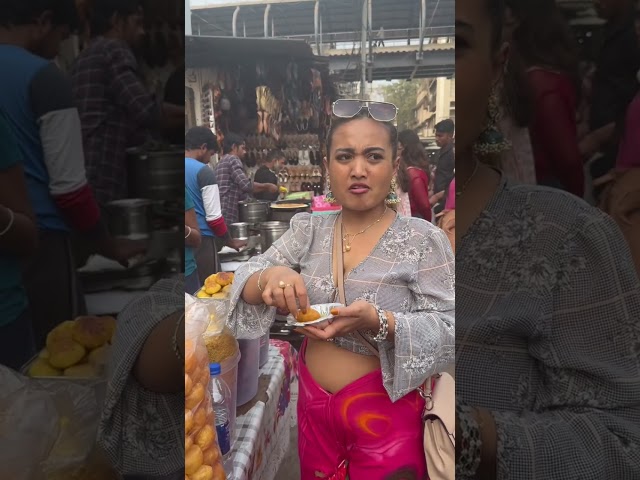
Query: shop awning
201, 52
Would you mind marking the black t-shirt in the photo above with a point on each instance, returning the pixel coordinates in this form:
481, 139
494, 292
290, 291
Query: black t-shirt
264, 175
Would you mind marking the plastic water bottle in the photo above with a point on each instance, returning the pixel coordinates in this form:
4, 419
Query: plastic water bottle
225, 419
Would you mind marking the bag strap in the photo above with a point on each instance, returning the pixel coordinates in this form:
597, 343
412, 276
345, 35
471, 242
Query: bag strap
338, 275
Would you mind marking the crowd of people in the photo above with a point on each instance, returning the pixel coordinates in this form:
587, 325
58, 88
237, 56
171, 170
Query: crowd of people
63, 142
573, 124
547, 377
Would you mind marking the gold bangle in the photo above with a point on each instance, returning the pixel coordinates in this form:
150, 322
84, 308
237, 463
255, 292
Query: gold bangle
260, 278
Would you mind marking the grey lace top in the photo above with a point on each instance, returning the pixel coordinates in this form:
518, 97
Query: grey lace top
410, 272
548, 338
142, 432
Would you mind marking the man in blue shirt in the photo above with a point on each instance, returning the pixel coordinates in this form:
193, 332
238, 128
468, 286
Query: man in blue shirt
18, 240
37, 100
200, 183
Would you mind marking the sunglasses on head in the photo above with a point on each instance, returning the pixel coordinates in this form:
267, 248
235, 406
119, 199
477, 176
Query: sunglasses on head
379, 111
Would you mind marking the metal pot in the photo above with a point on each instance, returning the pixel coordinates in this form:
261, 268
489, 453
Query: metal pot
130, 218
157, 175
239, 230
270, 232
254, 211
281, 213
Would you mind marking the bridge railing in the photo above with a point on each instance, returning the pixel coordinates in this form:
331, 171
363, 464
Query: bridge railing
396, 37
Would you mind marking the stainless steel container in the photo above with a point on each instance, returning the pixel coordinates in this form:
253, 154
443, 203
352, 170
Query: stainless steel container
130, 218
157, 175
254, 211
280, 212
239, 230
270, 232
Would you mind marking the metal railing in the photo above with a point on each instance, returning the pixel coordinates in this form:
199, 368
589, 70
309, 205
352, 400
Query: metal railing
396, 37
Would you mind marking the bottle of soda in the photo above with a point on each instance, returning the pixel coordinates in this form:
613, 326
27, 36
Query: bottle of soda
221, 398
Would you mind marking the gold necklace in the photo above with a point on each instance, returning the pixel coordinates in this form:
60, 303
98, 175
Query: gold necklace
347, 237
464, 186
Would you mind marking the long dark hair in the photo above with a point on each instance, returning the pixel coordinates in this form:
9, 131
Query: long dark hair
517, 96
413, 152
403, 177
543, 37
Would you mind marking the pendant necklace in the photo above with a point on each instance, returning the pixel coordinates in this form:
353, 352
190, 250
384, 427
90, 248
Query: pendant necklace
347, 237
464, 186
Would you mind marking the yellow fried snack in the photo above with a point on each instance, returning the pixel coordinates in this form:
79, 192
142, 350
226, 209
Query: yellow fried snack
224, 278
84, 370
188, 421
310, 316
188, 384
200, 417
218, 472
202, 294
195, 397
66, 353
41, 368
205, 472
93, 332
211, 455
219, 296
64, 331
192, 460
205, 437
100, 356
227, 288
213, 289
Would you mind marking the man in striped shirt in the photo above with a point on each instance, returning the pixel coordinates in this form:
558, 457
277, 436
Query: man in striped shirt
233, 181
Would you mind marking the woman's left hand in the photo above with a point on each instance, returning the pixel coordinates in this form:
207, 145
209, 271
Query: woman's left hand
360, 315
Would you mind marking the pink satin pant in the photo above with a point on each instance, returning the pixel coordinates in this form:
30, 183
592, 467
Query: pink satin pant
359, 431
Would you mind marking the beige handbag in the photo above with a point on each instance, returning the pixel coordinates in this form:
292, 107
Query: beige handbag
439, 414
440, 426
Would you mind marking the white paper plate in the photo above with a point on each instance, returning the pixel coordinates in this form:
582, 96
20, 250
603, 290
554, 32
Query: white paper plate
324, 309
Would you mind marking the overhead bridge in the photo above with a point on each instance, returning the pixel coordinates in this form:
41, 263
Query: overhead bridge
350, 33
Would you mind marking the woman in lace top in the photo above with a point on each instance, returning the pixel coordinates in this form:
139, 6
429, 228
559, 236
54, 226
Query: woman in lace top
358, 411
547, 357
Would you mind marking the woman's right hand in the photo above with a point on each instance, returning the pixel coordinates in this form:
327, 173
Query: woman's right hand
292, 297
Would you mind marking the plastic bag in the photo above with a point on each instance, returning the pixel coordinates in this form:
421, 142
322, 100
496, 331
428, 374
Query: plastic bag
202, 453
48, 429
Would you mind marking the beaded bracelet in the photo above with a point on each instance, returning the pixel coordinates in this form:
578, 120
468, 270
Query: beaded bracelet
383, 333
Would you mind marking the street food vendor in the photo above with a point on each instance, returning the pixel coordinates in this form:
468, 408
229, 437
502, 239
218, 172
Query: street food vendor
36, 98
267, 174
113, 101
